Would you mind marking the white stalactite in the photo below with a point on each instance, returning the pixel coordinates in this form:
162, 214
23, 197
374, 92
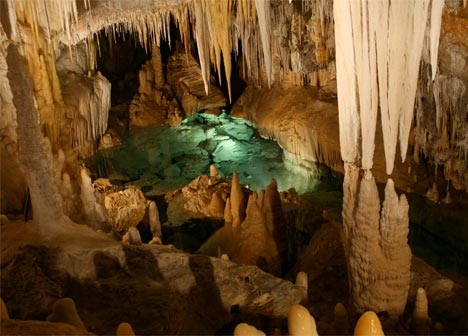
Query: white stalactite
263, 13
436, 22
377, 37
201, 35
346, 82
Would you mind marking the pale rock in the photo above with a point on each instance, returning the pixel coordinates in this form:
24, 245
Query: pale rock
302, 280
243, 329
300, 322
132, 236
368, 325
155, 241
376, 247
125, 209
420, 321
224, 256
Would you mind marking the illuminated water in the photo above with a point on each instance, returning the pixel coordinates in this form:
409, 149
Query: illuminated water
159, 159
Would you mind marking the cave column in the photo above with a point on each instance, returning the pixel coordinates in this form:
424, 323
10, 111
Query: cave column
34, 150
378, 50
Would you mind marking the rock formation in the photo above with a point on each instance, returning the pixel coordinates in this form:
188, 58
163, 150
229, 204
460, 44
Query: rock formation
300, 322
124, 329
64, 310
243, 329
368, 325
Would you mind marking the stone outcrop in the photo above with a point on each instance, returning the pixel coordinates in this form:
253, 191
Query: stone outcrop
125, 208
303, 126
150, 286
153, 104
185, 79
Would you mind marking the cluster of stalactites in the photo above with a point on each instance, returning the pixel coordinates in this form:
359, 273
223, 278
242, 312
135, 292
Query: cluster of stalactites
45, 17
378, 50
220, 28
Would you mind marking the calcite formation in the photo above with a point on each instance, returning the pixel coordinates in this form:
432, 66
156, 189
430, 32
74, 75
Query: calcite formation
378, 255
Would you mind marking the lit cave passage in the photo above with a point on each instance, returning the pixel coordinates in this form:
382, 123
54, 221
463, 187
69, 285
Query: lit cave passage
130, 181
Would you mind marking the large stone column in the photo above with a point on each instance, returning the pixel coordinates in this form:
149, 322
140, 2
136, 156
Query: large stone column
34, 150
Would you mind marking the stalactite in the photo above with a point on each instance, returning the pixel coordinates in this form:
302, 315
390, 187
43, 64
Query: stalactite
263, 13
395, 54
364, 22
436, 22
201, 35
346, 82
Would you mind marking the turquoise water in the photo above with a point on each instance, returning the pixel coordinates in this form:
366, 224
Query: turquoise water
164, 158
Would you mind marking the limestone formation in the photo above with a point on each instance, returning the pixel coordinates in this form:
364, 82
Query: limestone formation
254, 243
151, 219
125, 329
155, 241
376, 247
420, 321
214, 174
302, 280
300, 322
217, 205
341, 322
3, 311
243, 329
124, 209
368, 325
237, 202
34, 152
132, 236
64, 310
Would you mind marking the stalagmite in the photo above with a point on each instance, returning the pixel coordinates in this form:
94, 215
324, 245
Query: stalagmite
368, 325
300, 322
3, 311
420, 321
378, 255
124, 329
274, 216
341, 321
243, 329
227, 211
33, 149
64, 310
302, 280
254, 245
237, 202
154, 222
